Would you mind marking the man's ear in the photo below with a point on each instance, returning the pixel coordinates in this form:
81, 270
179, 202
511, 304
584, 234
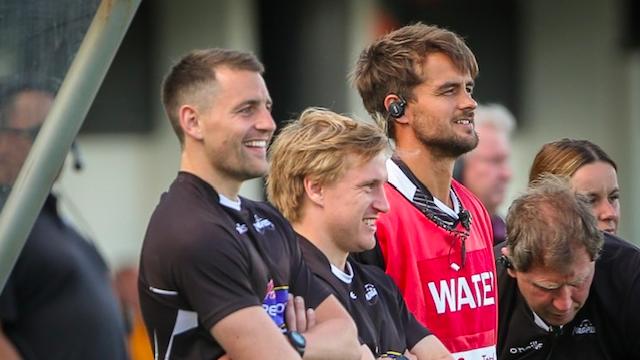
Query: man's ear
189, 122
505, 251
314, 191
506, 261
391, 99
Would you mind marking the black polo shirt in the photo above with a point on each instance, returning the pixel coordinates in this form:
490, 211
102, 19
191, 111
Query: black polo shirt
376, 305
607, 326
202, 261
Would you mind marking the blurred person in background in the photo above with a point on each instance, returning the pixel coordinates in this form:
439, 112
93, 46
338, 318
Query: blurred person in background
485, 170
436, 240
565, 292
327, 177
57, 302
23, 108
125, 282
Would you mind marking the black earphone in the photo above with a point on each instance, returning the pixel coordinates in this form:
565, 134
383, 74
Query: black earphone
465, 219
396, 108
78, 164
505, 261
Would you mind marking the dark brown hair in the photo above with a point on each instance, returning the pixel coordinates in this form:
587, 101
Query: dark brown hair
393, 63
196, 73
564, 157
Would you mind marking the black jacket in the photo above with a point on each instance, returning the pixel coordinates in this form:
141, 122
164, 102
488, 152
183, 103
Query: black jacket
607, 326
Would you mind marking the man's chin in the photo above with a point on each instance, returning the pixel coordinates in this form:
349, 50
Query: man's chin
559, 320
366, 244
255, 171
463, 144
451, 149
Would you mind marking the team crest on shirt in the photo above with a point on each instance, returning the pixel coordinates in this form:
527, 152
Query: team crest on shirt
275, 302
262, 224
585, 327
532, 346
241, 228
370, 293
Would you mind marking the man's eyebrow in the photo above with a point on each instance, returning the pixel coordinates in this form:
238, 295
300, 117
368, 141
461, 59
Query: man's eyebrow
578, 279
547, 286
252, 102
368, 182
553, 285
449, 84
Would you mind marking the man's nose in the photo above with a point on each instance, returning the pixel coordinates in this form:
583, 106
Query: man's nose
266, 122
381, 203
562, 302
467, 101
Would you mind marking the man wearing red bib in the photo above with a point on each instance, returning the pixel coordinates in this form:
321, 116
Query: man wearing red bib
436, 240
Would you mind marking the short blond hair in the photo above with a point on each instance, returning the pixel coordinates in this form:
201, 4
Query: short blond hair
317, 145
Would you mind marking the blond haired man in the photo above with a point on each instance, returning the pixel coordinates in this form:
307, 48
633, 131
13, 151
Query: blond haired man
327, 176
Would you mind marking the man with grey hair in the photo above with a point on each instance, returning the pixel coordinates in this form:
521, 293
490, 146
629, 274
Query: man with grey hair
485, 170
565, 293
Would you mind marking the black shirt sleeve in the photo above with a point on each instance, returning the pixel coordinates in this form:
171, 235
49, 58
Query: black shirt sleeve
213, 272
413, 329
8, 306
633, 317
623, 268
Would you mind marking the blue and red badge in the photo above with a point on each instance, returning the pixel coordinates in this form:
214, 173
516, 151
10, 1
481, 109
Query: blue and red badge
275, 302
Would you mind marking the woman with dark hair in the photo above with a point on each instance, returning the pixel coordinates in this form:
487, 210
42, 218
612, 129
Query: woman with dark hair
591, 172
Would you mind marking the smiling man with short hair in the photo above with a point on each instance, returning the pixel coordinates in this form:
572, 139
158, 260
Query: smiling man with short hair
217, 269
